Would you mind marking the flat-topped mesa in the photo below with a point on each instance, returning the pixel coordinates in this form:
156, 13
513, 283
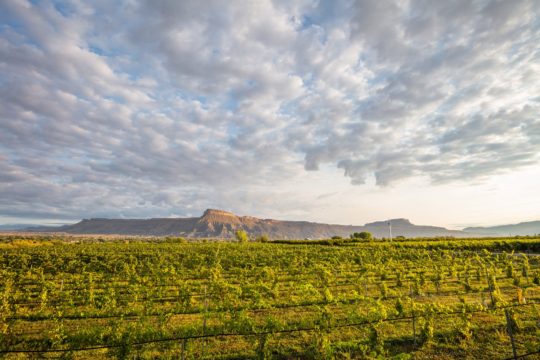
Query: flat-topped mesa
214, 216
216, 223
217, 212
394, 222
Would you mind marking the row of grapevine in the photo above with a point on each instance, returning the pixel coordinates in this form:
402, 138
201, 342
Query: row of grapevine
265, 300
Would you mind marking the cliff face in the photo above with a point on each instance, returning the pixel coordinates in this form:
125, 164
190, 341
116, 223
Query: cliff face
222, 224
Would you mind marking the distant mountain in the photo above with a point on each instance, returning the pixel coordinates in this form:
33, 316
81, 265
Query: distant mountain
523, 228
222, 224
403, 227
14, 227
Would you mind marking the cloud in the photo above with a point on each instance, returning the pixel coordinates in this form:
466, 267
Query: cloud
165, 108
434, 106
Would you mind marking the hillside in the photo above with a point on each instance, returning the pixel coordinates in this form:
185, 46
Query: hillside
222, 224
523, 228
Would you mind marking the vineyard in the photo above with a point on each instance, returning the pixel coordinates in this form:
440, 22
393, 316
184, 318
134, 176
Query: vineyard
166, 298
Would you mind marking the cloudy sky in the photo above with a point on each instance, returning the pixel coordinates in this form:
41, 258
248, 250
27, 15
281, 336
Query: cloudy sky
333, 111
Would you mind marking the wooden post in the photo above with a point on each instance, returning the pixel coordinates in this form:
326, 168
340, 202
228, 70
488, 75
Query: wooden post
509, 328
414, 327
413, 314
365, 287
490, 289
261, 348
183, 353
205, 310
204, 322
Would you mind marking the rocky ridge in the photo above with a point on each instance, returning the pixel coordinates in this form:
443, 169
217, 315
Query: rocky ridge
223, 224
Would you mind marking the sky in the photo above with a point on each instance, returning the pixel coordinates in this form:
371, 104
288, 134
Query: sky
332, 111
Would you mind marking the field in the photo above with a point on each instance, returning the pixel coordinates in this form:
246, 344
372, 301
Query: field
78, 298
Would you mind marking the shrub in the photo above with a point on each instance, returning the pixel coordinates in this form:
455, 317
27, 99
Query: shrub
263, 238
241, 236
364, 235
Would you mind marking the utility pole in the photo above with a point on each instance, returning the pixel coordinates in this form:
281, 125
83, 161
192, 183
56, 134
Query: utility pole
390, 229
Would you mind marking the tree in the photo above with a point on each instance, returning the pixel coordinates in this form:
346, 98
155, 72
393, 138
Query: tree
263, 238
364, 235
241, 236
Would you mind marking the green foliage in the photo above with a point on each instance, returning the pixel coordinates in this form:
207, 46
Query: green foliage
510, 270
467, 284
364, 235
88, 294
427, 329
321, 347
525, 267
520, 296
536, 279
384, 289
262, 238
175, 240
400, 307
241, 236
512, 324
464, 328
376, 341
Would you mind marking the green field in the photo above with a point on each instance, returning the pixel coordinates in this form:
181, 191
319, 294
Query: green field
167, 298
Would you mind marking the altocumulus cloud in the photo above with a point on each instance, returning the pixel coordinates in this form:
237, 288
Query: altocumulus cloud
155, 108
